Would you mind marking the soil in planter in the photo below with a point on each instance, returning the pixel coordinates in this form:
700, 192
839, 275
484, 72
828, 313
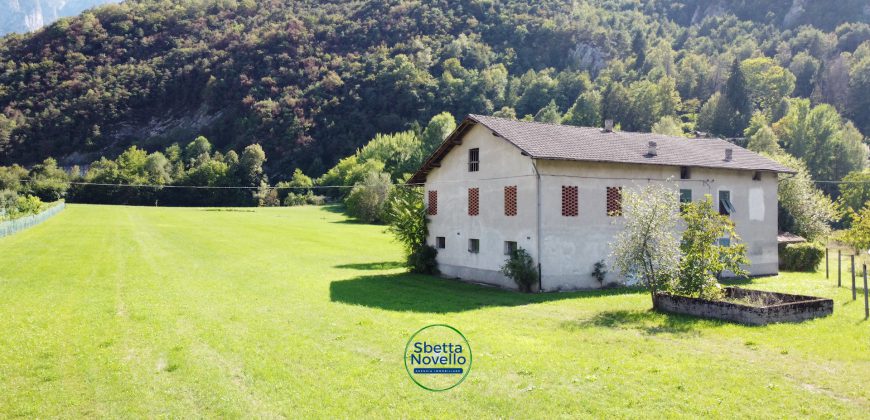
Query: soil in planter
758, 301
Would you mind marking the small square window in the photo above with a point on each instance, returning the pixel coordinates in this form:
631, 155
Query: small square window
440, 242
474, 246
685, 196
685, 173
725, 207
757, 176
510, 247
726, 241
473, 160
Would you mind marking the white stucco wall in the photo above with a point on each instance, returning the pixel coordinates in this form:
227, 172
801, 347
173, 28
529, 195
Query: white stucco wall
501, 164
570, 246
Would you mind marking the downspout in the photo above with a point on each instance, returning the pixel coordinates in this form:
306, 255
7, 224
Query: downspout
538, 216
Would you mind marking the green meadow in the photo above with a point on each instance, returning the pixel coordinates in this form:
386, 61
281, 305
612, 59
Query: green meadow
109, 311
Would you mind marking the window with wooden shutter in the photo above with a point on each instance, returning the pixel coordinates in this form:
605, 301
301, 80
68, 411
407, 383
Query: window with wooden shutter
570, 201
614, 201
433, 203
473, 201
510, 200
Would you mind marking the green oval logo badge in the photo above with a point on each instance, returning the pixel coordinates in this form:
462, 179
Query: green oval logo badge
438, 357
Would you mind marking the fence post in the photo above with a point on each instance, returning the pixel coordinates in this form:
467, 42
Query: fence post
826, 263
839, 269
853, 277
866, 306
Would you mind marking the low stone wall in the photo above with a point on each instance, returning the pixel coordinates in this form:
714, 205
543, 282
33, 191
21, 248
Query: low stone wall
775, 307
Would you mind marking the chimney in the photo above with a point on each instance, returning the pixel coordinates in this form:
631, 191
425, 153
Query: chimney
652, 149
729, 153
608, 126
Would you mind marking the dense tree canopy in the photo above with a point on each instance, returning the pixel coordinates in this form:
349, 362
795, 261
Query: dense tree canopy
314, 81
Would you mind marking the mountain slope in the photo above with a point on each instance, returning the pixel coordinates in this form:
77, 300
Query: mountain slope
29, 15
313, 81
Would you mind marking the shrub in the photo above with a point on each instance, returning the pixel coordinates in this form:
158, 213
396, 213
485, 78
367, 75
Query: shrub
406, 215
704, 258
13, 206
521, 268
802, 257
599, 271
422, 260
367, 198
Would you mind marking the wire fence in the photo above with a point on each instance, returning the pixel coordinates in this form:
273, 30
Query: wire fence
16, 225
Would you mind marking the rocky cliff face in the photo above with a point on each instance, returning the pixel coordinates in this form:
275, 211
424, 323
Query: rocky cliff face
29, 15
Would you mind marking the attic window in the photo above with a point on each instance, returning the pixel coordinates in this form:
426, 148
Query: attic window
725, 206
685, 173
473, 160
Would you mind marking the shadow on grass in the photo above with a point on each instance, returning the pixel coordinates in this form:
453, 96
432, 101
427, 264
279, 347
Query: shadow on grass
419, 293
383, 265
647, 321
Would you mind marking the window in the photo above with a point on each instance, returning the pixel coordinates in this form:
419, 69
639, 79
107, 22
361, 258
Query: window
725, 207
510, 200
757, 176
569, 200
473, 201
510, 247
473, 160
474, 246
685, 196
440, 242
614, 201
726, 241
433, 203
685, 173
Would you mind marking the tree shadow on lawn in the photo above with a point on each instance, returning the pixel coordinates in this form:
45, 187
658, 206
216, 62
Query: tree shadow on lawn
406, 292
382, 265
647, 321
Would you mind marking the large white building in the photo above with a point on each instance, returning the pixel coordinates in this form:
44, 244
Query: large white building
555, 190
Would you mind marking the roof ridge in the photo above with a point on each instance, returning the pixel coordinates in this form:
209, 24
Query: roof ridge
477, 117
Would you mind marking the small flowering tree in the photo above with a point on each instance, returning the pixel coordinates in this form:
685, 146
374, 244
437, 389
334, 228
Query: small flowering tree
648, 248
704, 256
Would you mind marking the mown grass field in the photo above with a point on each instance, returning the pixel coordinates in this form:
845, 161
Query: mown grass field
153, 312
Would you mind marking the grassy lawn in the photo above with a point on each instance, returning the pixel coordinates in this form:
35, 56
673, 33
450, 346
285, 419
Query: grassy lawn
147, 312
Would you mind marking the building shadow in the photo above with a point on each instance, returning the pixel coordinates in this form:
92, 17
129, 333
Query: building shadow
406, 292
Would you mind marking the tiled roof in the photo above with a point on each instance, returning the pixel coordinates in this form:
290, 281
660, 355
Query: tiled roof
566, 142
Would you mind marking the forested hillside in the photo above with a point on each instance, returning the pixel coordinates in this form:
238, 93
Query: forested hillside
312, 81
29, 15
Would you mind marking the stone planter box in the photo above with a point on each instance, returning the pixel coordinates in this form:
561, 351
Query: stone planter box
773, 307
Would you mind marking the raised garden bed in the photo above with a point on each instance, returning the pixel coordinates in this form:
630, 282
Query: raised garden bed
752, 307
